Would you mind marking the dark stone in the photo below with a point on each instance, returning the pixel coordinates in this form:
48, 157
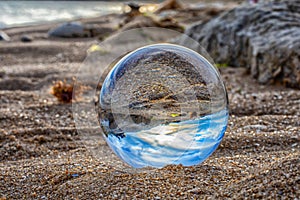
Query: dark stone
79, 30
2, 74
69, 30
265, 38
26, 38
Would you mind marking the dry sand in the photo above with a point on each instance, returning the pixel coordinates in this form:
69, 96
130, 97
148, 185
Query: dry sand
42, 156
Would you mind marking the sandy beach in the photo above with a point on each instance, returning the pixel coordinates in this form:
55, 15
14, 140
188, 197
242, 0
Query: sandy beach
42, 155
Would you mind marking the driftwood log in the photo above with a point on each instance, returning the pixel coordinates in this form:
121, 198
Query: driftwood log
265, 38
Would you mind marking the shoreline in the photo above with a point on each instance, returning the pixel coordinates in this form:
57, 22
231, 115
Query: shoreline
190, 3
40, 12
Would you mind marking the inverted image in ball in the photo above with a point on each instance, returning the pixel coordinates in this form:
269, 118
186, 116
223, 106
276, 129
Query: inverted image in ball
163, 104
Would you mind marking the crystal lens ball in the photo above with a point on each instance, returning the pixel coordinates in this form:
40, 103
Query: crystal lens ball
163, 104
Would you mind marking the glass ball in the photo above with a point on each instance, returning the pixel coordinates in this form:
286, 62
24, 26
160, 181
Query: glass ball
163, 104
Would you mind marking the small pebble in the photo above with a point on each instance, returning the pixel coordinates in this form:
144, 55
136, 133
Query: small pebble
26, 38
